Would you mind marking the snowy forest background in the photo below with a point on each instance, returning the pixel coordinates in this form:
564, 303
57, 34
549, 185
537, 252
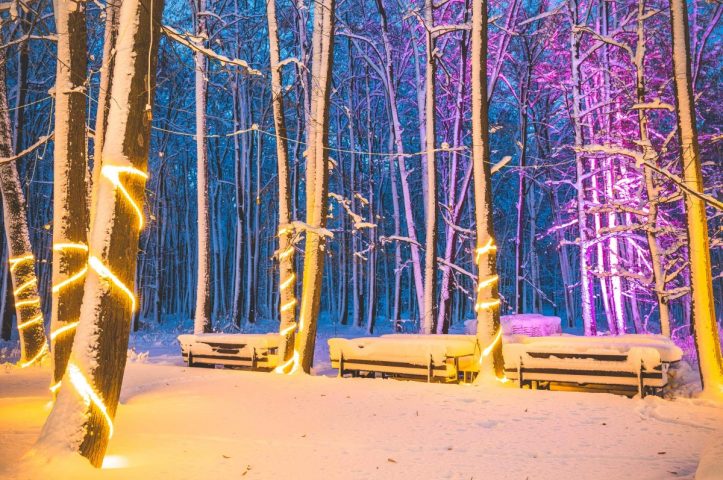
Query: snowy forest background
376, 194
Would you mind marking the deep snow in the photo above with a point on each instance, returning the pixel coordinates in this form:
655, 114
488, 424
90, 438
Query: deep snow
181, 423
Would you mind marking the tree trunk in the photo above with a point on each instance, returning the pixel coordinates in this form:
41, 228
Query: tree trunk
70, 205
202, 319
586, 286
287, 272
317, 178
87, 405
430, 251
487, 306
705, 330
33, 346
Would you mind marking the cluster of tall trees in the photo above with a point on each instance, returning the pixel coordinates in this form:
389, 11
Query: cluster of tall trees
410, 163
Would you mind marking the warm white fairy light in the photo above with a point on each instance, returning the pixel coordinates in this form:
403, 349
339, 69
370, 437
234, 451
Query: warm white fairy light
105, 273
72, 279
286, 253
55, 387
25, 286
65, 328
487, 283
288, 281
33, 321
15, 261
28, 302
88, 394
38, 356
113, 172
288, 305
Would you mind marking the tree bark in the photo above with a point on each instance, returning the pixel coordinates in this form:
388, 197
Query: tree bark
70, 191
81, 419
705, 330
317, 178
287, 271
487, 306
33, 346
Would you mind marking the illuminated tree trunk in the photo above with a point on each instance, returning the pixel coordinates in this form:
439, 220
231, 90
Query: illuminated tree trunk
586, 286
487, 306
81, 419
112, 9
317, 179
651, 186
202, 317
70, 190
287, 273
430, 244
20, 257
705, 328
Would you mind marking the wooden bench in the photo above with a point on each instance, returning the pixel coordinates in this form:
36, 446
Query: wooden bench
629, 363
253, 351
448, 358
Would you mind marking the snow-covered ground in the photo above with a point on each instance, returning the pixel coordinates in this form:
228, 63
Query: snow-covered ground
181, 423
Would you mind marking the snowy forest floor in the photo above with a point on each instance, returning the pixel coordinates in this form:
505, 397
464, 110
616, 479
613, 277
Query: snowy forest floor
181, 423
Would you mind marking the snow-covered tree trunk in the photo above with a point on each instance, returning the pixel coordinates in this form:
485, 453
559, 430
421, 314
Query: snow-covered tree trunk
110, 35
429, 315
317, 178
202, 317
70, 190
390, 85
651, 185
705, 328
586, 286
287, 273
82, 417
33, 346
487, 306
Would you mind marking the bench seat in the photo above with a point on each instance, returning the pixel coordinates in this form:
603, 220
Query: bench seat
254, 351
638, 362
430, 357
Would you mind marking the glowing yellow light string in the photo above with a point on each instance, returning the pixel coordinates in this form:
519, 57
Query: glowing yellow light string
88, 394
55, 387
25, 286
65, 328
36, 319
15, 261
38, 356
288, 284
487, 283
27, 303
105, 273
72, 279
112, 173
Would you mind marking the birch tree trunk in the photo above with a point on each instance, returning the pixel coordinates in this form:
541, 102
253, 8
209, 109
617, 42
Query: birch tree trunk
586, 286
82, 416
430, 250
70, 190
317, 178
31, 328
651, 186
487, 306
287, 273
202, 317
705, 328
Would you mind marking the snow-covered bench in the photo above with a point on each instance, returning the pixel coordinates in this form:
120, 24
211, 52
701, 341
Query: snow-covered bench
431, 357
255, 351
637, 362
